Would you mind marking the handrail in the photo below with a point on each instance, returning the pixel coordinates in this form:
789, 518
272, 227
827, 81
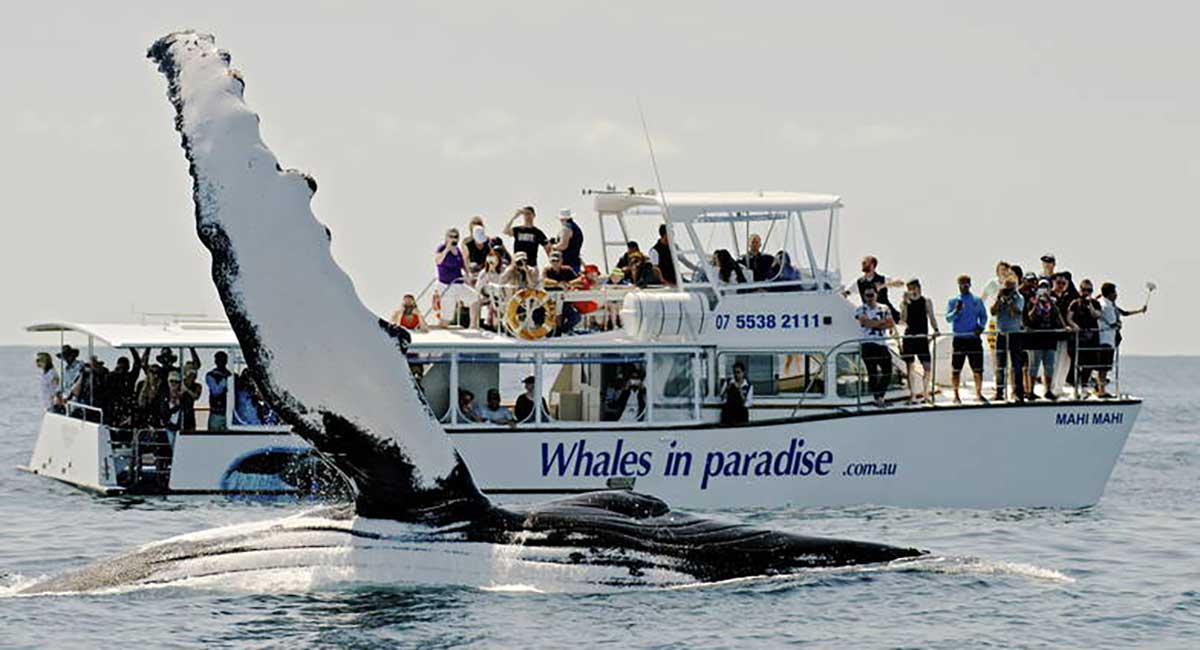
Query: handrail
86, 408
893, 342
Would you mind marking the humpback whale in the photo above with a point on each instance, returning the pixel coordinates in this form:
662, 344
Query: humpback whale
338, 374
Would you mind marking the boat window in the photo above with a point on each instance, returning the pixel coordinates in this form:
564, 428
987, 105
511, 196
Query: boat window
674, 386
852, 375
595, 387
779, 374
432, 374
481, 373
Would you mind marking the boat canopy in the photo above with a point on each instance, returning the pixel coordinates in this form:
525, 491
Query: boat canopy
179, 334
689, 206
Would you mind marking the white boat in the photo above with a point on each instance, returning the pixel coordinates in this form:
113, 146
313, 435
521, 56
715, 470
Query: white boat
81, 446
810, 439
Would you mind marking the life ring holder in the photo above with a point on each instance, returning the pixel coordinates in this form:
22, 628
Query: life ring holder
529, 301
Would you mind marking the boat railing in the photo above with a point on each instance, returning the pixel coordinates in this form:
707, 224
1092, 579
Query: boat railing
1087, 360
85, 412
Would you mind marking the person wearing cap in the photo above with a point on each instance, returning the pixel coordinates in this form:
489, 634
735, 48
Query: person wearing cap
560, 276
478, 244
520, 274
1049, 261
631, 247
48, 381
453, 287
523, 409
217, 381
968, 318
1110, 333
72, 367
179, 412
570, 240
495, 413
527, 238
917, 316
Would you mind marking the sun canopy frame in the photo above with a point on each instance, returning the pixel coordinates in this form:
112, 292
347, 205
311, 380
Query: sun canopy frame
184, 334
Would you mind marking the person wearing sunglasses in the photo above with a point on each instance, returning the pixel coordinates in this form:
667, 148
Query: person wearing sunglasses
454, 279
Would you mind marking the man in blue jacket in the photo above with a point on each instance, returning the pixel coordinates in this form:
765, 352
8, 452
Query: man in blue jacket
968, 317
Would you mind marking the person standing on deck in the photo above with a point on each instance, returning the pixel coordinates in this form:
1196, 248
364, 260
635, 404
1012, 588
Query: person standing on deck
217, 380
875, 320
1110, 333
527, 238
453, 287
1008, 310
968, 318
48, 380
570, 240
1083, 316
661, 257
870, 278
71, 369
916, 313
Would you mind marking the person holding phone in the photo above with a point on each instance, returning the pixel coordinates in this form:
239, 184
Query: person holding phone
968, 318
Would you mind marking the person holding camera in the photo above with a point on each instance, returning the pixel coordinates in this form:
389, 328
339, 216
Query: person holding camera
968, 318
1008, 309
454, 279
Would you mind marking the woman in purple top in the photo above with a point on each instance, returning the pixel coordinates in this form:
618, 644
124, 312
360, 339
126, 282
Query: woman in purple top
452, 288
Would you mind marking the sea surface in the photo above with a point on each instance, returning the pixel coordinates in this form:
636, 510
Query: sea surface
1125, 573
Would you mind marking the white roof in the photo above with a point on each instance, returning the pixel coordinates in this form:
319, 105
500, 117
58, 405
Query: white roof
202, 334
686, 206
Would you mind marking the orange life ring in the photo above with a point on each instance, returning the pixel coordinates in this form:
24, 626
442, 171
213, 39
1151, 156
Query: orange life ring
518, 314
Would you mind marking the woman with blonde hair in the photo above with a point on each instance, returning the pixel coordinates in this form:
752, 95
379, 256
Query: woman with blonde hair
49, 380
408, 315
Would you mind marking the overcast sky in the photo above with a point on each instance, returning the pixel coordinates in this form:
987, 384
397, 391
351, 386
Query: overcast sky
957, 134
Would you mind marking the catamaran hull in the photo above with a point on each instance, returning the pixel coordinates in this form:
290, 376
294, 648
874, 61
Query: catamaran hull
1050, 455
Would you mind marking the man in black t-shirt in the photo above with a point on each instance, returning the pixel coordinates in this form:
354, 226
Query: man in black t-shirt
527, 238
872, 280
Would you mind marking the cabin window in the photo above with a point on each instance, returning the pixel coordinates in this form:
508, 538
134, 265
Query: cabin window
779, 374
480, 373
674, 386
432, 374
595, 387
852, 375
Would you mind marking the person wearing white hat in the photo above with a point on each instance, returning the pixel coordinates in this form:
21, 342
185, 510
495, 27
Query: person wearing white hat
570, 240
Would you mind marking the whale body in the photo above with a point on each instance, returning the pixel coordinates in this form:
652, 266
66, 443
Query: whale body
338, 374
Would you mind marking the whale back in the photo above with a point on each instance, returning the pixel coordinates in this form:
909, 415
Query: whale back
334, 369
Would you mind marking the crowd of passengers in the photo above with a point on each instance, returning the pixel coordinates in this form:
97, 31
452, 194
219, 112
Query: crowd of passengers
482, 273
150, 393
1027, 316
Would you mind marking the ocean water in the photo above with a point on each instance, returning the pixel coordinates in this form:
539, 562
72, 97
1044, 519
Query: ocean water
1125, 573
